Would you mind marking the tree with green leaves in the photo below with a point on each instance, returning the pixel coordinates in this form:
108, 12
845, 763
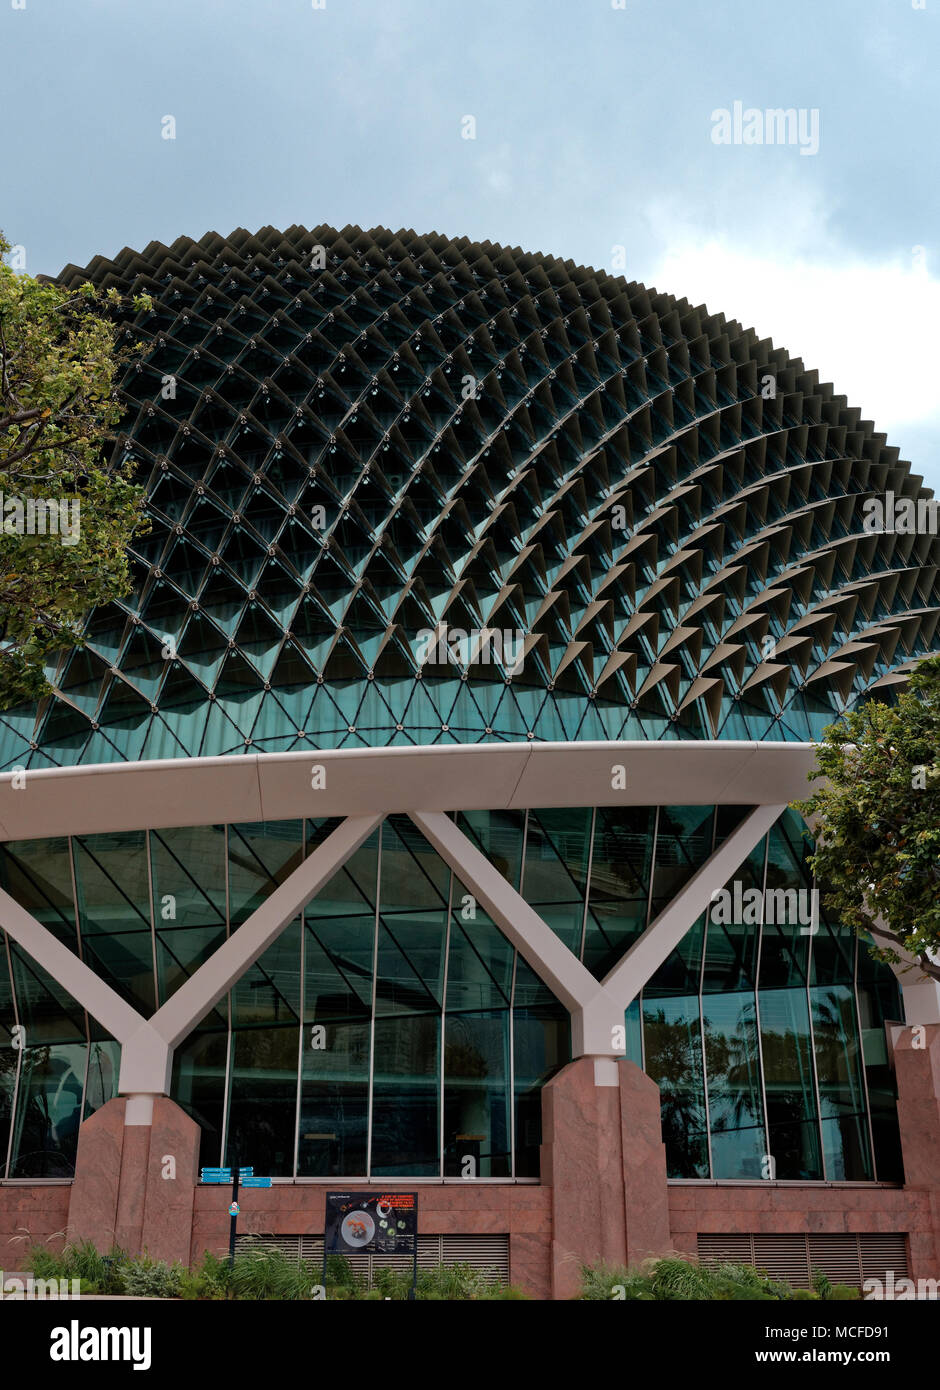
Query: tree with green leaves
876, 821
66, 513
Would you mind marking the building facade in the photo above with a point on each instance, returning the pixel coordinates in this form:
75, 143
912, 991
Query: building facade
421, 817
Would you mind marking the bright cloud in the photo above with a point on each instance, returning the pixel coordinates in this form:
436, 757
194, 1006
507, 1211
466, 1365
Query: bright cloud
869, 328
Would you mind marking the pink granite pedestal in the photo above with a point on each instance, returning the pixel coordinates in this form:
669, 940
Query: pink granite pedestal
604, 1160
917, 1067
134, 1184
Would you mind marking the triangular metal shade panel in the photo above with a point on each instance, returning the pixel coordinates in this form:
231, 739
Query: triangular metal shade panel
352, 436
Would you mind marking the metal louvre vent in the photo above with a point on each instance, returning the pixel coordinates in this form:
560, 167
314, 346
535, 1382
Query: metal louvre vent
844, 1259
488, 1253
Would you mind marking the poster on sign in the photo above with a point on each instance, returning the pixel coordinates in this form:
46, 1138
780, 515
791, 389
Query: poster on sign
383, 1223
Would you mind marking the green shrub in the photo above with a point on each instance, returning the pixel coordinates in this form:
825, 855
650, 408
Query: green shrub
265, 1274
737, 1282
392, 1283
339, 1271
803, 1295
444, 1283
98, 1273
453, 1282
148, 1278
821, 1284
605, 1281
675, 1279
45, 1263
259, 1273
843, 1293
210, 1280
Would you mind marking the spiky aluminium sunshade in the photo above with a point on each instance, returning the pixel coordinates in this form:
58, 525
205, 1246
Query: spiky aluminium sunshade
356, 439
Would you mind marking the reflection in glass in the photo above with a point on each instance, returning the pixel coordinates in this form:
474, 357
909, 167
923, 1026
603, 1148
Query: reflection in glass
476, 1095
189, 910
541, 1046
198, 1086
334, 1099
113, 890
846, 1149
732, 1067
406, 1089
263, 1100
48, 1111
673, 1042
787, 1049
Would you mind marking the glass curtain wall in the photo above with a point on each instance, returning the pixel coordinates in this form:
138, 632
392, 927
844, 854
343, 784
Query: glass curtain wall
56, 1063
392, 1030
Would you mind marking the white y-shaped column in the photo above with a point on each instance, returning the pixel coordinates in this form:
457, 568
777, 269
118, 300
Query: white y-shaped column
594, 1011
596, 1008
663, 935
147, 1044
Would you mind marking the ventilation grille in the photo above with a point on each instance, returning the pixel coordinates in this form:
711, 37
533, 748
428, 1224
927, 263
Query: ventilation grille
844, 1259
487, 1253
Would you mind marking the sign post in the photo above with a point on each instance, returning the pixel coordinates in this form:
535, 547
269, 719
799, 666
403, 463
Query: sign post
222, 1176
233, 1213
382, 1223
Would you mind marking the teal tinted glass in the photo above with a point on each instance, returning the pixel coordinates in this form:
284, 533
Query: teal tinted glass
621, 865
556, 869
9, 1066
189, 900
48, 1111
683, 842
260, 858
104, 1069
555, 434
846, 1147
406, 1136
879, 1001
37, 873
269, 991
113, 887
414, 893
787, 1053
733, 929
10, 1049
334, 1099
498, 835
47, 1014
735, 1102
263, 1099
480, 959
199, 1068
476, 1095
541, 1046
672, 1032
396, 991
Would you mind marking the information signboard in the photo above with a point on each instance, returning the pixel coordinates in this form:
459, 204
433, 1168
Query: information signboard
383, 1223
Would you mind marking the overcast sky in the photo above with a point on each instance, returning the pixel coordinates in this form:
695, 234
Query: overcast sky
593, 141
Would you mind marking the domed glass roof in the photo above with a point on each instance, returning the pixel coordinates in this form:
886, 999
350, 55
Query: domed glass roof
407, 489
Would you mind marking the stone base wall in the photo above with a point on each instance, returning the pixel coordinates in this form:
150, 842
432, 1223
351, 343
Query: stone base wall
706, 1209
38, 1211
523, 1212
603, 1196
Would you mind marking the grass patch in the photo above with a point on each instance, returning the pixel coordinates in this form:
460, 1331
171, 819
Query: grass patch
675, 1279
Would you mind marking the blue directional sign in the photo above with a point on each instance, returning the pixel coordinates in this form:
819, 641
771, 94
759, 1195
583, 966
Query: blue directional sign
256, 1182
216, 1175
225, 1174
